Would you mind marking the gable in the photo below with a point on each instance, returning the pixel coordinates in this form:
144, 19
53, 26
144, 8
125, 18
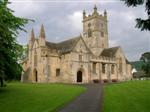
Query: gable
81, 46
120, 54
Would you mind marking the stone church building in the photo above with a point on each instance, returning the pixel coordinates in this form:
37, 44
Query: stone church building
83, 59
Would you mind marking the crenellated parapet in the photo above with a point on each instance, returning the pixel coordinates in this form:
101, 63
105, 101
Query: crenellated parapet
95, 14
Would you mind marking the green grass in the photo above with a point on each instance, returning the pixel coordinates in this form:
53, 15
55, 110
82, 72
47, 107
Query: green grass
133, 96
18, 97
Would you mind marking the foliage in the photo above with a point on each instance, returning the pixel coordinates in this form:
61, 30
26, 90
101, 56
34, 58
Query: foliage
19, 97
9, 48
137, 65
23, 53
146, 66
143, 24
132, 96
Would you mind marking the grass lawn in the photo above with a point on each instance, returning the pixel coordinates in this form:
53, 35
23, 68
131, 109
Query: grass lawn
18, 97
133, 96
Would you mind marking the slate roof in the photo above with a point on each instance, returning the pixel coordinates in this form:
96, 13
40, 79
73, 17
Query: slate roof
51, 45
64, 46
109, 52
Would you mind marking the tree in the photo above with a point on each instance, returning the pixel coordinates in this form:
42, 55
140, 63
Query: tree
146, 66
9, 48
24, 53
143, 24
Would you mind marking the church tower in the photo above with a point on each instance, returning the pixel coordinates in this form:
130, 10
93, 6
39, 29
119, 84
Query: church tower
95, 31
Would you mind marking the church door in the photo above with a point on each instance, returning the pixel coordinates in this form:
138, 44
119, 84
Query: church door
35, 75
79, 76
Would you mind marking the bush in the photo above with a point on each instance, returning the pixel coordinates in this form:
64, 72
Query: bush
96, 81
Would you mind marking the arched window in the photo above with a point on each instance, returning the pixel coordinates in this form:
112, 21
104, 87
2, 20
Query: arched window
103, 68
80, 57
57, 72
112, 69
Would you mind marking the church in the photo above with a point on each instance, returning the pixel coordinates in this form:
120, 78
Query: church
86, 58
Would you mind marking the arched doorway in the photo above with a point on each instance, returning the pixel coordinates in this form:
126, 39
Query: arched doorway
79, 76
35, 73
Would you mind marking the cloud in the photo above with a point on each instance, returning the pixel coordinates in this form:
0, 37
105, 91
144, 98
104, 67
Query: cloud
75, 20
63, 20
113, 43
26, 8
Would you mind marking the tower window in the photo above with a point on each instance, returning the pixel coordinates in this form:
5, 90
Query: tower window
89, 33
89, 25
89, 30
102, 34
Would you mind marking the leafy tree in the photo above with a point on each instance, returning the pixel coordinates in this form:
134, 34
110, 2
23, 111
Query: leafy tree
143, 24
24, 53
9, 48
146, 59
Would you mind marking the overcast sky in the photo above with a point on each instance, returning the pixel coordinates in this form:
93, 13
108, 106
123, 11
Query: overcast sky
63, 20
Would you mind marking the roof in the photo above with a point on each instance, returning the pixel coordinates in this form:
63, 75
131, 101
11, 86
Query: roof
64, 46
127, 61
109, 52
51, 45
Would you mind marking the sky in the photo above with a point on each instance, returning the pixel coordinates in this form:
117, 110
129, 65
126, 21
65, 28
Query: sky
62, 20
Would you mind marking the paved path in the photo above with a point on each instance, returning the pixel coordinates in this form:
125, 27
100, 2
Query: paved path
90, 101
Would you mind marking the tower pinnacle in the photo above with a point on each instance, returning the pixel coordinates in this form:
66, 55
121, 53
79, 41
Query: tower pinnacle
95, 11
95, 8
84, 14
105, 13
